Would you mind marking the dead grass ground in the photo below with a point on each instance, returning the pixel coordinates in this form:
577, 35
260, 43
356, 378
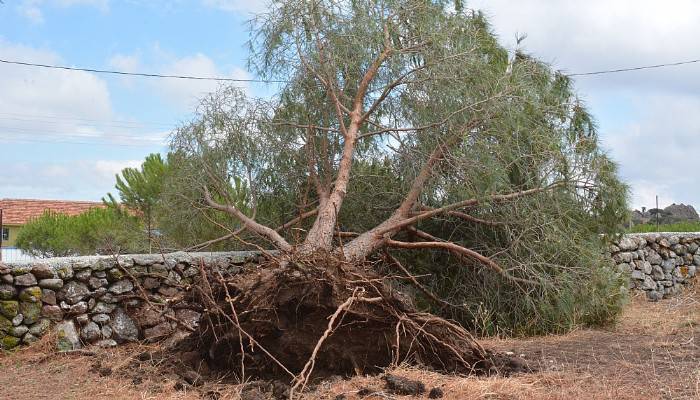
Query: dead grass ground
651, 353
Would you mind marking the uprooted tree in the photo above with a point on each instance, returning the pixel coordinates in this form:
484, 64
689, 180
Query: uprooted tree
397, 124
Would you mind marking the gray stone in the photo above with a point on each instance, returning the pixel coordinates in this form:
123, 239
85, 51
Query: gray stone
636, 274
674, 240
106, 343
151, 283
17, 320
52, 312
40, 327
100, 266
7, 292
168, 291
99, 274
174, 278
692, 247
643, 266
668, 265
696, 260
43, 271
78, 308
158, 269
114, 274
106, 331
692, 269
54, 284
121, 287
192, 271
680, 249
158, 332
653, 295
7, 278
30, 310
103, 308
123, 327
31, 294
109, 298
100, 318
29, 338
625, 244
67, 336
657, 272
48, 296
90, 332
25, 280
649, 284
188, 317
18, 331
95, 282
64, 271
654, 258
82, 319
666, 283
83, 275
73, 292
21, 270
624, 268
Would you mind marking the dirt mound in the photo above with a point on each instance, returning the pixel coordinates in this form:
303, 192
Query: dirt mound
322, 317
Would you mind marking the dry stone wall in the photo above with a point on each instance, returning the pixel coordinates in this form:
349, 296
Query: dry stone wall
100, 300
658, 263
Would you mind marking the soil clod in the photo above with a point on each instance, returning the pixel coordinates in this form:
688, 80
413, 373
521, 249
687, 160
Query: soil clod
403, 386
435, 393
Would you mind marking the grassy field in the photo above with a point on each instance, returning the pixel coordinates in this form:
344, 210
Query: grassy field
686, 226
651, 353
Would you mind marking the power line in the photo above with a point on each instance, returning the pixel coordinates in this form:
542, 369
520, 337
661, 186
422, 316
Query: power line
52, 118
220, 79
147, 75
612, 71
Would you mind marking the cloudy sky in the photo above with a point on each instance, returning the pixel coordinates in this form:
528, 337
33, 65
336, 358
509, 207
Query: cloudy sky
63, 135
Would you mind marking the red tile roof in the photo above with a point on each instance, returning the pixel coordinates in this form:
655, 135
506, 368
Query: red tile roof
20, 211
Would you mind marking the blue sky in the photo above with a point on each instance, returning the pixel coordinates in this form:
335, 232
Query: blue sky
63, 135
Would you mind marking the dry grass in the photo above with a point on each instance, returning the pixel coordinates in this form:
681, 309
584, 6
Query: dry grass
651, 353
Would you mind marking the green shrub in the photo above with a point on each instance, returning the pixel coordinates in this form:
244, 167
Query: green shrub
97, 231
685, 226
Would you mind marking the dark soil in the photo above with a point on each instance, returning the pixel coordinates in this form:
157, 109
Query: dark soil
265, 322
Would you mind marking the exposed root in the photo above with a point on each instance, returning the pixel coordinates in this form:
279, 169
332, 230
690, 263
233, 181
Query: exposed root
322, 316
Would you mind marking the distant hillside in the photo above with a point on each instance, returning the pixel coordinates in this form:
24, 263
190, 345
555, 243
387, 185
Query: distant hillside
669, 215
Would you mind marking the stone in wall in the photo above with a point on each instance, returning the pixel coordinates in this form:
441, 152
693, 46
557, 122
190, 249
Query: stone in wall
99, 300
658, 263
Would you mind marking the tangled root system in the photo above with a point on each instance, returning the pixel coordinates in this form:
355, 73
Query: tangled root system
323, 316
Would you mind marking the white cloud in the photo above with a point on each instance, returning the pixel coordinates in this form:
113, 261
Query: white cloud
75, 180
56, 105
184, 94
32, 9
239, 6
187, 93
649, 120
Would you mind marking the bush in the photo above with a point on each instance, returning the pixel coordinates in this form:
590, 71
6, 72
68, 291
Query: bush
685, 226
97, 231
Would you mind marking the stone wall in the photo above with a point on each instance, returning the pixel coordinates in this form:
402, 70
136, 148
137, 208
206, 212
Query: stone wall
658, 263
100, 300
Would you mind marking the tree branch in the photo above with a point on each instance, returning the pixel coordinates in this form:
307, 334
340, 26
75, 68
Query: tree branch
466, 203
248, 222
456, 249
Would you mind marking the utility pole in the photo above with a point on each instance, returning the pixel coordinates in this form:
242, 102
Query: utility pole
1, 234
657, 213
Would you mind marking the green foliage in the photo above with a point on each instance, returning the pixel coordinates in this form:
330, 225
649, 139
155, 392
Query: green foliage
512, 123
140, 189
685, 226
97, 231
